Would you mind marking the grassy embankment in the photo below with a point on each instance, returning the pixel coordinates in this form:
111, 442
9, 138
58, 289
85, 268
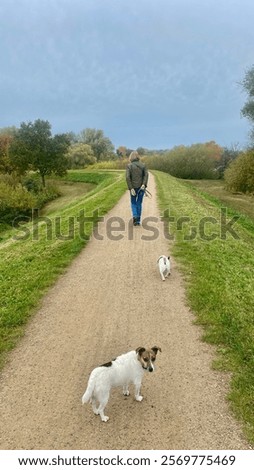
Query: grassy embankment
32, 257
215, 190
218, 266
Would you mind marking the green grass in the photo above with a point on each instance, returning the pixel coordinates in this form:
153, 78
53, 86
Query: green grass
219, 272
32, 257
69, 192
243, 203
220, 283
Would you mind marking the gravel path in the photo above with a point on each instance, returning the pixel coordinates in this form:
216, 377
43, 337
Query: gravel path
111, 300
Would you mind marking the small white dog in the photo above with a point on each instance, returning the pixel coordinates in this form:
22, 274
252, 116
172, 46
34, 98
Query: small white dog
164, 266
125, 369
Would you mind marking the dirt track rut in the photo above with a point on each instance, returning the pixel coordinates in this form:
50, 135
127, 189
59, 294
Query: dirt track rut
111, 300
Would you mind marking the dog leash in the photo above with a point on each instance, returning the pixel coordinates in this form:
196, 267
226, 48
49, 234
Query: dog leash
147, 193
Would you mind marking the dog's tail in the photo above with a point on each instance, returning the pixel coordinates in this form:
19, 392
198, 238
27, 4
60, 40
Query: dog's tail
90, 388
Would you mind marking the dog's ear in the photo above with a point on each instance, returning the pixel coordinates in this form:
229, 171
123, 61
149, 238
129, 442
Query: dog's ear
140, 350
155, 349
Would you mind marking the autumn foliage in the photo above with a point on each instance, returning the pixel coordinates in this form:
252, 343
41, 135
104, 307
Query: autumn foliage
239, 176
198, 161
5, 163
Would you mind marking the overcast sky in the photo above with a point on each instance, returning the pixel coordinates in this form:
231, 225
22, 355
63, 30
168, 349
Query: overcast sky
150, 73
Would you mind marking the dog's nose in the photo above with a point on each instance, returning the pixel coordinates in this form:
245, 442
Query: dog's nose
150, 369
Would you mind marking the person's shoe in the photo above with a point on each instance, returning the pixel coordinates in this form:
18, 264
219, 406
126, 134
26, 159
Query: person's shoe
135, 222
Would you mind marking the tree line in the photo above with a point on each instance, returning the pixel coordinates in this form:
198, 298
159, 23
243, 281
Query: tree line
32, 149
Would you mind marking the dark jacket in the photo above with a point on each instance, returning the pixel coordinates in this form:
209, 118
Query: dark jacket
136, 174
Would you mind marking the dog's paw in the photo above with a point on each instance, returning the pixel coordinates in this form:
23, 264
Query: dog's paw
139, 398
105, 419
126, 393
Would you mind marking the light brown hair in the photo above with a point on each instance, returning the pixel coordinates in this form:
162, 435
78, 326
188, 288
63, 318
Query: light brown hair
134, 156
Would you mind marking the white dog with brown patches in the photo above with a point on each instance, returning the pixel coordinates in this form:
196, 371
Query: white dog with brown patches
164, 266
122, 371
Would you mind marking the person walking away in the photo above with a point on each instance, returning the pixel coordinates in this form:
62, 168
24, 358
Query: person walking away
136, 179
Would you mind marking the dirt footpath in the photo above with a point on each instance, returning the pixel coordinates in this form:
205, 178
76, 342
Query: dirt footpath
109, 301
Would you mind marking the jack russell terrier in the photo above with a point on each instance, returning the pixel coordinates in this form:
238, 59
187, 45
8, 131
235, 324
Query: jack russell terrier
125, 369
164, 266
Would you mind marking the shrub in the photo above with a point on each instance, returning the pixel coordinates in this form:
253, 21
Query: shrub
195, 162
10, 179
239, 176
227, 156
119, 164
47, 194
32, 184
18, 201
15, 202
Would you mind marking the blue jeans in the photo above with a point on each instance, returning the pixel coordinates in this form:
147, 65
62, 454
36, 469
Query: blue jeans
136, 204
